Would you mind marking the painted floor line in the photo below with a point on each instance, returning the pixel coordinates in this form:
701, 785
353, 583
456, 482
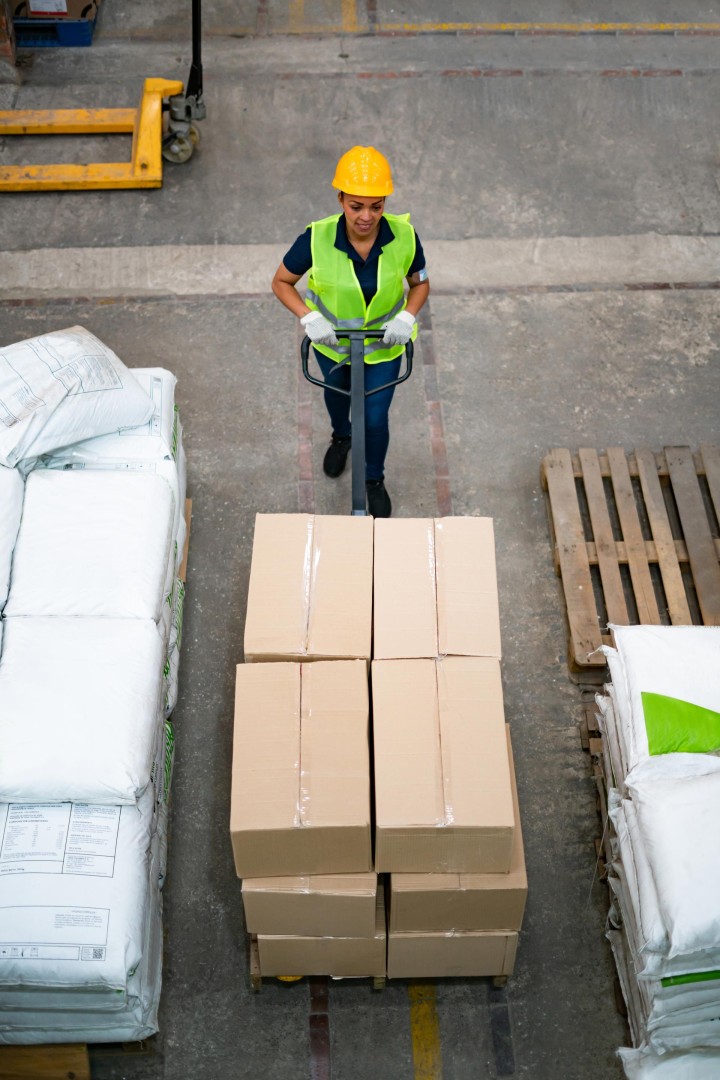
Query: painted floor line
647, 261
425, 1030
433, 406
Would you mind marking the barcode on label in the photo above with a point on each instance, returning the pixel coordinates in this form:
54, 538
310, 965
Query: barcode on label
93, 953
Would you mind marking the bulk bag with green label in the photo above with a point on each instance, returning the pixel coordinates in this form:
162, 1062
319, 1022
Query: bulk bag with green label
667, 686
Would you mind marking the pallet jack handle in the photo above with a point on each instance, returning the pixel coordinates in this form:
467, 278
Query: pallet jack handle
194, 88
357, 394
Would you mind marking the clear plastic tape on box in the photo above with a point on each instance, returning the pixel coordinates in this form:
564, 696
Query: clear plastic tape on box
93, 544
81, 708
12, 493
63, 387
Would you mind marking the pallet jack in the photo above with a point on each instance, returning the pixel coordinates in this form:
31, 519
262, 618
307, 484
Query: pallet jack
175, 140
357, 394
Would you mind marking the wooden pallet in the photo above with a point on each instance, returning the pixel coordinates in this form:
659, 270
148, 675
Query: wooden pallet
61, 1062
635, 540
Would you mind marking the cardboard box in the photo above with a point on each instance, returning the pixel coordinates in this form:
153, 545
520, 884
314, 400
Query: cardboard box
56, 9
344, 957
445, 600
427, 902
428, 956
301, 771
310, 594
338, 905
443, 795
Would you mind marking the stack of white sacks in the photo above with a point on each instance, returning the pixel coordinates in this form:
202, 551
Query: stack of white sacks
660, 718
92, 528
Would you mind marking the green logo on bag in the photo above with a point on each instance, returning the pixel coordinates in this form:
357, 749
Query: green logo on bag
674, 726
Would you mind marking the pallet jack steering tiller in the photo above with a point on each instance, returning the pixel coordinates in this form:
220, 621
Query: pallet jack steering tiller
357, 394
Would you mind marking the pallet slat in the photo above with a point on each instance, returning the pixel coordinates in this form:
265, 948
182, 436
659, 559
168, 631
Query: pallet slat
572, 555
710, 456
666, 552
700, 545
604, 539
634, 541
52, 1062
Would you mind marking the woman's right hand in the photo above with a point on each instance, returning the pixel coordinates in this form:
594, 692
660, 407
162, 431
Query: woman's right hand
318, 329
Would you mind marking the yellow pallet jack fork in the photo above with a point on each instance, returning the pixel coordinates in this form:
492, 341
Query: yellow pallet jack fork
152, 141
144, 170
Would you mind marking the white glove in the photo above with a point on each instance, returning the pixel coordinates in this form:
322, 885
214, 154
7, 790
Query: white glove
399, 329
318, 329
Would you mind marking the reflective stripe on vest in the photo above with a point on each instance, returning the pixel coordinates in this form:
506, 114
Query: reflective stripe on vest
334, 290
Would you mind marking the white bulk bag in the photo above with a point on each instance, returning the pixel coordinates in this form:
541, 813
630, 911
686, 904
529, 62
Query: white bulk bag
69, 1015
74, 891
174, 473
12, 491
62, 387
636, 891
93, 544
678, 821
80, 708
669, 692
154, 440
694, 1065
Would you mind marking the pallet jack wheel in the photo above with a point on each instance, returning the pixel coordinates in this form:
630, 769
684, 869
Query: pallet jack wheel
179, 150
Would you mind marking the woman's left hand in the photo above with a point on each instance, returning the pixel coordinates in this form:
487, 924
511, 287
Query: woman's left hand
399, 329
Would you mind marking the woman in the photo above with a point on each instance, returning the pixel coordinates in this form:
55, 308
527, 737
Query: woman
358, 262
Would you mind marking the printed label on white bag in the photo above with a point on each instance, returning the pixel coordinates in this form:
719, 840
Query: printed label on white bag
53, 933
59, 838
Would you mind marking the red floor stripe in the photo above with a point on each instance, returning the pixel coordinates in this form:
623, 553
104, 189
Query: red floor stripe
320, 1060
434, 412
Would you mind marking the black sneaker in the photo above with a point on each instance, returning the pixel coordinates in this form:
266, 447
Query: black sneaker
379, 505
336, 456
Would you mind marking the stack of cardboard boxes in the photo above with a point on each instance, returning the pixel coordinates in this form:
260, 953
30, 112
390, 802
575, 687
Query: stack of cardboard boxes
448, 846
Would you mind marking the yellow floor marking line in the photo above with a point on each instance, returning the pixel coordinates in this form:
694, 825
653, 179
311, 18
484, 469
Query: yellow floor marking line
349, 17
296, 16
425, 1027
562, 28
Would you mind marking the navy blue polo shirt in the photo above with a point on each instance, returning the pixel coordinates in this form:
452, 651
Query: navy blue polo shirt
298, 259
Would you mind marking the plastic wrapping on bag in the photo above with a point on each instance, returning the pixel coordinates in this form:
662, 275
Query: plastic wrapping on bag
172, 663
678, 826
645, 1065
12, 493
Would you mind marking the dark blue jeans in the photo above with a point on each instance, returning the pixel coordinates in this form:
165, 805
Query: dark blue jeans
377, 407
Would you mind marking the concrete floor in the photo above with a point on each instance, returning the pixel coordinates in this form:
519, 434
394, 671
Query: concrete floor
555, 146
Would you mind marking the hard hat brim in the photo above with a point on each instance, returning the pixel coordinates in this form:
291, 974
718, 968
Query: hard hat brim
366, 191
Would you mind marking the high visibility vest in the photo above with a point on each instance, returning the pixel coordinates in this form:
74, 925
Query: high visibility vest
334, 290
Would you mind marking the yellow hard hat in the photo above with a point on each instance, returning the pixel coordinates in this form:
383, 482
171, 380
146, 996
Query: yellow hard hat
363, 171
